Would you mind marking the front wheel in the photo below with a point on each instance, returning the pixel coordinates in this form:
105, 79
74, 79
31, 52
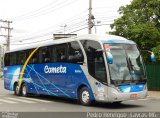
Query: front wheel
117, 102
84, 96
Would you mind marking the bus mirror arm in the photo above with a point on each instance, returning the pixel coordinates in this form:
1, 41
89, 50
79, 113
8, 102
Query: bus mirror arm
99, 50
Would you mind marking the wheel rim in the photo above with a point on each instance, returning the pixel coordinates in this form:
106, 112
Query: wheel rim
24, 90
85, 96
17, 90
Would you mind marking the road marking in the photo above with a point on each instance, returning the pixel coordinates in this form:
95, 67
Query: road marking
7, 101
34, 99
20, 100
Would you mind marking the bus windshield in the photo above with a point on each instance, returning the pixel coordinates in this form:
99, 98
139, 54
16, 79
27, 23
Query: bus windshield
127, 64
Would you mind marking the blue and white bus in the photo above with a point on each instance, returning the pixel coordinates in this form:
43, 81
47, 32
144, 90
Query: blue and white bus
88, 68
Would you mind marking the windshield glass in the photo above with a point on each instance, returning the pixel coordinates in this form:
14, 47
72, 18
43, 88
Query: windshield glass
127, 64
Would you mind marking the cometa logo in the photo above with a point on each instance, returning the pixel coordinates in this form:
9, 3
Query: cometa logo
59, 69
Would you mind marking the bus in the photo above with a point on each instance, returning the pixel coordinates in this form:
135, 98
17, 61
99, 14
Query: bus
87, 68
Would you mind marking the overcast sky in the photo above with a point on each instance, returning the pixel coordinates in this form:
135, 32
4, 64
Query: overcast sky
35, 20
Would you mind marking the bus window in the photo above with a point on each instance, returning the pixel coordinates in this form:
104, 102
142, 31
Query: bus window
61, 52
52, 52
13, 58
21, 57
7, 59
45, 55
75, 54
34, 59
95, 60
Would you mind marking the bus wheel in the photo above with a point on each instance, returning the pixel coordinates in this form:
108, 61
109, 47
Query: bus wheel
84, 96
17, 90
117, 102
24, 90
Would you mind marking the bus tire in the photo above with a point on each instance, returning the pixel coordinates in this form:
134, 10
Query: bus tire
24, 90
84, 96
17, 90
117, 102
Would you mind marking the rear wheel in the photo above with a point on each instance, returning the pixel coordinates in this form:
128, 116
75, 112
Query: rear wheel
17, 90
24, 90
84, 96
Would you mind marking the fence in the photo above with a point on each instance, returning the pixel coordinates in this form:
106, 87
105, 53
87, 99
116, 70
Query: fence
153, 74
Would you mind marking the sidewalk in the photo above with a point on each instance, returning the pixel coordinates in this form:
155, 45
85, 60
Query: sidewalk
154, 94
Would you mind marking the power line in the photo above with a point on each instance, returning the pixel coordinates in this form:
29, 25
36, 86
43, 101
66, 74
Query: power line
39, 9
49, 10
49, 38
69, 26
32, 42
77, 30
77, 27
52, 38
51, 27
72, 27
49, 33
102, 24
75, 18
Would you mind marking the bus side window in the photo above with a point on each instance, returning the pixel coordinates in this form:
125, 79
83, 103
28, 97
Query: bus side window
21, 57
7, 59
45, 54
34, 59
13, 58
53, 55
75, 54
61, 52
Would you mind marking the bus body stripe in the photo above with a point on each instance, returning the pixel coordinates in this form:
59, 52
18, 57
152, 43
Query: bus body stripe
24, 66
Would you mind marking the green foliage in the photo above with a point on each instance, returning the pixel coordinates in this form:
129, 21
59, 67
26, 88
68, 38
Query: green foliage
156, 51
140, 22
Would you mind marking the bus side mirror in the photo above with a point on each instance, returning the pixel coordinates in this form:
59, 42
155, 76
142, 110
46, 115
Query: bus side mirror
152, 56
109, 57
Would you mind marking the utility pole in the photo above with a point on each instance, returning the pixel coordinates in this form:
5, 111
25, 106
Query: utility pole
90, 18
8, 32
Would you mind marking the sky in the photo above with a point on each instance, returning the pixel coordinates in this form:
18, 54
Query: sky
35, 21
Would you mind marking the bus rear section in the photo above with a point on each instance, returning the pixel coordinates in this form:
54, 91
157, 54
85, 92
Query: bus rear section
56, 70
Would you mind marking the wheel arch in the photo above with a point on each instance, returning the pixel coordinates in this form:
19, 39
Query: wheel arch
84, 85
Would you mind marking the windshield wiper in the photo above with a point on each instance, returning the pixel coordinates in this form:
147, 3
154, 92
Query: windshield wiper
130, 63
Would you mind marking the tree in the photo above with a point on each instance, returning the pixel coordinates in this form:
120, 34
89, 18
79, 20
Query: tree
140, 22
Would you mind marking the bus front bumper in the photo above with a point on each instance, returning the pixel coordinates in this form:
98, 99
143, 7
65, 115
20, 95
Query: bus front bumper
115, 95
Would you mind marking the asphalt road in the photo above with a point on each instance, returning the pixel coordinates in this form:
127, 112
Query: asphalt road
11, 103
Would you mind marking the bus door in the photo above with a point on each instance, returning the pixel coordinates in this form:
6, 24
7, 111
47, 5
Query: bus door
96, 67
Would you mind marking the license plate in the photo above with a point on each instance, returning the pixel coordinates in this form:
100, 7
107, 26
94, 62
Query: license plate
133, 96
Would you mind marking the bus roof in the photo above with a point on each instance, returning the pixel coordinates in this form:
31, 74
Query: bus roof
104, 39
